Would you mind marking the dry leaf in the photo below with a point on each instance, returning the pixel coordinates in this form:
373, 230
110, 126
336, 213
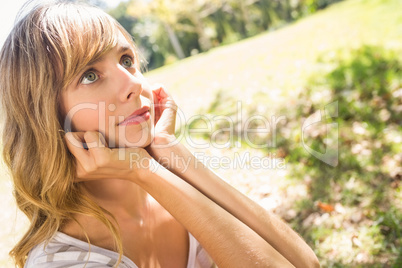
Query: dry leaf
325, 207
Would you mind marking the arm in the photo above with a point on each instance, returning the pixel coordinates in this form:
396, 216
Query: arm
264, 223
267, 225
229, 242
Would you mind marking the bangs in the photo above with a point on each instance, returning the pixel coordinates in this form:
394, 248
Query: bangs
79, 35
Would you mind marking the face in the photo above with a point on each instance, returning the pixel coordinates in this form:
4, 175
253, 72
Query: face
112, 97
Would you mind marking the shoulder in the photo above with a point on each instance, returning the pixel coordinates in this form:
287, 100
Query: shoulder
65, 251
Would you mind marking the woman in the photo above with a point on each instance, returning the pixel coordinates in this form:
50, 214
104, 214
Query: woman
83, 134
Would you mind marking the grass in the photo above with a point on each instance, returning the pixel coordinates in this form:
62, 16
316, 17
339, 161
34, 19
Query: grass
348, 214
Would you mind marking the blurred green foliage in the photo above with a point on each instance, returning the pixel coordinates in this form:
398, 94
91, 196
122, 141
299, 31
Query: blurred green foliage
365, 85
167, 30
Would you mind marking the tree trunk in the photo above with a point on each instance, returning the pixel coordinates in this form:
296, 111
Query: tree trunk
174, 41
203, 39
288, 10
244, 19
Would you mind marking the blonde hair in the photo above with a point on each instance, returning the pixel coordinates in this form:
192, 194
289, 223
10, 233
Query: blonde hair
45, 50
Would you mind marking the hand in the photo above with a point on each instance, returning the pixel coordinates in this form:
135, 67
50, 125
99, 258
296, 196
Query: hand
165, 121
101, 162
165, 116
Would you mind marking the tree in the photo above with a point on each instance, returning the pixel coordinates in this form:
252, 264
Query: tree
163, 11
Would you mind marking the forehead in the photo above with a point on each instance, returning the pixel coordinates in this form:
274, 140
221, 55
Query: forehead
123, 42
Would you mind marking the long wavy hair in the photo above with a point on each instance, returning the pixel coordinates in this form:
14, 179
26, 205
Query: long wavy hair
46, 49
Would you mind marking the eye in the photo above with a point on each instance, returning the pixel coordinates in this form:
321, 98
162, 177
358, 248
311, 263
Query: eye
127, 61
89, 78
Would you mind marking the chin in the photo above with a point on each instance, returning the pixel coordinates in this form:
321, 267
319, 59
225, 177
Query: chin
128, 137
140, 142
146, 143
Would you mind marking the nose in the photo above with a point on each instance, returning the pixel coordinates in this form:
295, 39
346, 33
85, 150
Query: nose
129, 86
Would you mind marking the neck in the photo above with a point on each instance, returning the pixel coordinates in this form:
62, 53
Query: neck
121, 198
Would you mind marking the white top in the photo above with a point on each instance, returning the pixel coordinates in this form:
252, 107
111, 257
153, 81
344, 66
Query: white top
66, 251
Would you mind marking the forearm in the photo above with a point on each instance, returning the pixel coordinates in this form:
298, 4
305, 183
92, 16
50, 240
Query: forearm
267, 225
229, 241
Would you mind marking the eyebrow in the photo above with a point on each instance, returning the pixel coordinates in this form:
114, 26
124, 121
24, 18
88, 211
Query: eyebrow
121, 50
124, 48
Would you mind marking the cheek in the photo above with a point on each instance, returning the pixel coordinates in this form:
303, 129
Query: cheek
79, 114
85, 120
146, 87
147, 92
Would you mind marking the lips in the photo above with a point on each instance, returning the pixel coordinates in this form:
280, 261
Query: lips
137, 117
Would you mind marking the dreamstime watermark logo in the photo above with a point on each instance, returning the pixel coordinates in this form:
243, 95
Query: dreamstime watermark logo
256, 131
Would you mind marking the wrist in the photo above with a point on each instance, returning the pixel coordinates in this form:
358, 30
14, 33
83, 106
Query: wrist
143, 170
168, 151
140, 164
163, 140
161, 145
179, 160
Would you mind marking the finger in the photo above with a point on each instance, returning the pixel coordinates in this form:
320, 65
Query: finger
97, 147
162, 97
165, 110
94, 139
74, 141
158, 101
167, 100
157, 87
156, 107
81, 173
75, 138
167, 120
162, 93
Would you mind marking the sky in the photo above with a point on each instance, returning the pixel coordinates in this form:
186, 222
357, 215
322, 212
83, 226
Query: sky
7, 15
10, 9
